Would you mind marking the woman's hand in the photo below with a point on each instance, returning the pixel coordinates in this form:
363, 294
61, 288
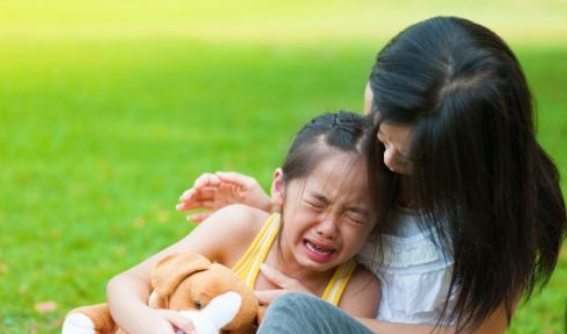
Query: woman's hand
285, 283
213, 191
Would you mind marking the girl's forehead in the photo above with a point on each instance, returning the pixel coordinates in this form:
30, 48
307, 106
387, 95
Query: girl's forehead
343, 174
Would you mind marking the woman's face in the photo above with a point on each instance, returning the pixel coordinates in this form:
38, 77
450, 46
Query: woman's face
395, 138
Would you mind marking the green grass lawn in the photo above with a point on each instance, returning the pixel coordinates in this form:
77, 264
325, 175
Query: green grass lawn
109, 110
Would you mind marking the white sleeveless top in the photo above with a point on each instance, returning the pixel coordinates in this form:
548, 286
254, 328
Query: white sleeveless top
414, 274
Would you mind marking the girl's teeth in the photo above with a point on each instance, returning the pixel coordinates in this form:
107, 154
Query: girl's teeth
317, 249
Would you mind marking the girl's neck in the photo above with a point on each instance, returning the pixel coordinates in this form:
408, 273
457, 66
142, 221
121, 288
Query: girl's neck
284, 261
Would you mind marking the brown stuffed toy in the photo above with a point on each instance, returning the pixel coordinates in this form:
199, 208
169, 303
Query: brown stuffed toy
207, 293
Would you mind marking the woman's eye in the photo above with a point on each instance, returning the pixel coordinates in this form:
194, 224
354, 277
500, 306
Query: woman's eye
404, 160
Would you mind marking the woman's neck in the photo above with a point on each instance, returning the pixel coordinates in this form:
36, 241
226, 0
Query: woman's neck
406, 198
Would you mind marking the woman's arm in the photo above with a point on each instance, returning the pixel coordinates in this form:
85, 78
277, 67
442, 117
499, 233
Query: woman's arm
496, 323
216, 239
300, 313
213, 191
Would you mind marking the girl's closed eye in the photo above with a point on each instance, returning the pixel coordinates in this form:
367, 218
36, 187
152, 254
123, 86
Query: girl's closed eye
356, 218
315, 204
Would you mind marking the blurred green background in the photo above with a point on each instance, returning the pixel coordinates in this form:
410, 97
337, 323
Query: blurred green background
110, 109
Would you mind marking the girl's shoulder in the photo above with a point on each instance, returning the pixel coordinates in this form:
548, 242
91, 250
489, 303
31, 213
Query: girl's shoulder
361, 297
231, 229
240, 219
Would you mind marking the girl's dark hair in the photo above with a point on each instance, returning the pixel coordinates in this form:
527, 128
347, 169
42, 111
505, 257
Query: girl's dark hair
479, 177
324, 134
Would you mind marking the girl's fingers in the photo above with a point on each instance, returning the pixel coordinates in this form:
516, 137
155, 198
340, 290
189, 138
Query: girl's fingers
180, 322
277, 278
283, 281
265, 297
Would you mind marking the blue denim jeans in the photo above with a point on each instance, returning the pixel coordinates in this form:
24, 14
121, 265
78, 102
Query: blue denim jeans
298, 313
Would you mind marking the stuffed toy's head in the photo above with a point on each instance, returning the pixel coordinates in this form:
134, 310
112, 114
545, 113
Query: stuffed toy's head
190, 282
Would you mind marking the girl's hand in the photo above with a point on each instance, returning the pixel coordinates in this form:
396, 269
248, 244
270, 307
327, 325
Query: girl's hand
164, 322
214, 191
285, 283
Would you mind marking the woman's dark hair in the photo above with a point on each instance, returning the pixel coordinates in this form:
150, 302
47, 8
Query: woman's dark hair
479, 177
324, 134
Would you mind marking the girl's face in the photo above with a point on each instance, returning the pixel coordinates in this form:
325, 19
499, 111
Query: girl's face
395, 138
325, 215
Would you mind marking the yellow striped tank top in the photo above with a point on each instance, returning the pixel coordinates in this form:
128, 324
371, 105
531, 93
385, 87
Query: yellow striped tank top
248, 266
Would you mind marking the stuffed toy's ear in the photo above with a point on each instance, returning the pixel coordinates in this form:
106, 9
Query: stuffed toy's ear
173, 269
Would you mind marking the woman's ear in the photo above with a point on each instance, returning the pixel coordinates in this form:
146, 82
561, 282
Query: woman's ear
277, 190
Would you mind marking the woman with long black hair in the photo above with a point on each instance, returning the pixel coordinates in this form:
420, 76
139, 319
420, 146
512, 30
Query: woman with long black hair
469, 208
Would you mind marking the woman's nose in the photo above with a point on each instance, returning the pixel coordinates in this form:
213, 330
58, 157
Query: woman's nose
390, 158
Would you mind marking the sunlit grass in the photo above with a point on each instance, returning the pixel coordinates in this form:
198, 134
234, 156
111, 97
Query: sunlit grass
269, 21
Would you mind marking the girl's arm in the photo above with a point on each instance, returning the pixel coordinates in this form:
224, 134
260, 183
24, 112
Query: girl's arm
216, 239
127, 298
361, 298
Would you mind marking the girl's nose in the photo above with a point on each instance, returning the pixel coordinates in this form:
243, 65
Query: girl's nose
327, 228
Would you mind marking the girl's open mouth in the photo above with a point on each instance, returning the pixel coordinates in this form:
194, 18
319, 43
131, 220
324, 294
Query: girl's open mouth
318, 252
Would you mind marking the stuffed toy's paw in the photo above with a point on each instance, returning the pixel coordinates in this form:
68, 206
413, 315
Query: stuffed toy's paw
220, 311
95, 319
78, 323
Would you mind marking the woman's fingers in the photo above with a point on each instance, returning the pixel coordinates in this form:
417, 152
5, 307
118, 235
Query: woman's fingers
214, 191
236, 179
201, 194
246, 190
197, 199
198, 217
206, 180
